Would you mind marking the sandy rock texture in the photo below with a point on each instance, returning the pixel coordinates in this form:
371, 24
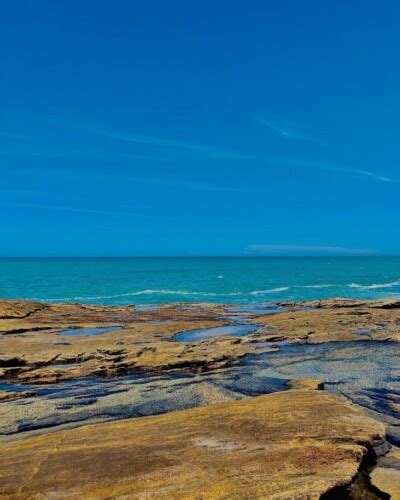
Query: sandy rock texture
294, 444
386, 476
311, 384
332, 320
32, 351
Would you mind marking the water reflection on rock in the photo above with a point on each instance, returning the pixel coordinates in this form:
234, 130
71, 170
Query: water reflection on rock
367, 373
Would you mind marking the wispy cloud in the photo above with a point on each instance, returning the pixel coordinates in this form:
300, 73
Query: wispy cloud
185, 184
178, 145
171, 181
214, 152
342, 169
80, 154
81, 210
374, 176
283, 130
267, 249
201, 151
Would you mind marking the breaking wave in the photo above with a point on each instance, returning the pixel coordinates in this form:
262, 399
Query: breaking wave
169, 292
216, 295
271, 290
374, 286
327, 285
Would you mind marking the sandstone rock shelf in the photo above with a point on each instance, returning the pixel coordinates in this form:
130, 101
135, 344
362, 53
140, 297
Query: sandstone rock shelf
32, 351
300, 443
294, 444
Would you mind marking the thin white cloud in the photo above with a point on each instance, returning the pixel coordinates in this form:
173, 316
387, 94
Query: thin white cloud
284, 131
179, 182
234, 155
71, 153
267, 249
69, 209
373, 175
201, 150
344, 169
179, 145
185, 184
173, 182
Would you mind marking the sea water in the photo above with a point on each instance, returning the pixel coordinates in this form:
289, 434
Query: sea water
236, 280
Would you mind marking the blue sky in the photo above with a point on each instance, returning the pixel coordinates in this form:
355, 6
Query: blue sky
199, 128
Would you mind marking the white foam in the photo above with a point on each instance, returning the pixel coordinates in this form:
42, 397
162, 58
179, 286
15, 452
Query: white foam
143, 292
164, 292
327, 285
374, 286
271, 290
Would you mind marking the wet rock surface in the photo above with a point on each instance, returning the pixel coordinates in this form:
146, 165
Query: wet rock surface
386, 476
311, 384
10, 395
332, 320
138, 369
292, 444
362, 372
35, 349
109, 341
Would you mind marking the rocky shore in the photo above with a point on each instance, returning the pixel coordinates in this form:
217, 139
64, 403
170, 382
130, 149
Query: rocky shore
294, 444
66, 365
33, 351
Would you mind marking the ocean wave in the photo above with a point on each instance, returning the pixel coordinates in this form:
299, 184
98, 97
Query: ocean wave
144, 292
374, 286
271, 290
327, 285
166, 292
202, 294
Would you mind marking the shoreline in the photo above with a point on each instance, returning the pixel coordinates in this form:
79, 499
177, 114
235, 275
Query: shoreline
49, 351
36, 336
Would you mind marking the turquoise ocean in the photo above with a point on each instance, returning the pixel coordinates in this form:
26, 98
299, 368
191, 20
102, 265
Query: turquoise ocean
223, 279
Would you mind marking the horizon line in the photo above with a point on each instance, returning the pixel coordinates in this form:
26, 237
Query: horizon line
196, 256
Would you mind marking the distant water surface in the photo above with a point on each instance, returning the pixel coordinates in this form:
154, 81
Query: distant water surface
221, 280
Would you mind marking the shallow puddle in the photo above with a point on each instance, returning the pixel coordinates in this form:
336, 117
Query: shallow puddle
12, 387
362, 331
89, 331
365, 372
146, 307
205, 333
268, 308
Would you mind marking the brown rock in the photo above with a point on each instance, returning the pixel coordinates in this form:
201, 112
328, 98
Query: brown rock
331, 321
294, 444
311, 384
32, 351
386, 476
11, 309
9, 396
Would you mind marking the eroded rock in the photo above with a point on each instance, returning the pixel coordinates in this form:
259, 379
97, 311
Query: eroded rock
12, 395
311, 384
32, 351
386, 476
291, 444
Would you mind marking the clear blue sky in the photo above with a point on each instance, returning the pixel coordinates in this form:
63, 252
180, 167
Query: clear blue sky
199, 128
